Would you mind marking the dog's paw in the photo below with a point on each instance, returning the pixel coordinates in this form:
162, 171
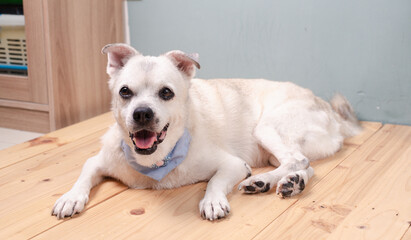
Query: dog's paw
255, 184
69, 204
291, 184
214, 207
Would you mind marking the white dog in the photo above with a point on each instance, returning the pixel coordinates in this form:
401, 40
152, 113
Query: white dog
173, 130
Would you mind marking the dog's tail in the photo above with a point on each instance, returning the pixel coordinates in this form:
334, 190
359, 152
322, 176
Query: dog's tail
350, 125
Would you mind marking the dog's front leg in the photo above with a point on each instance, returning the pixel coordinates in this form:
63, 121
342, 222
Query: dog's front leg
215, 205
74, 200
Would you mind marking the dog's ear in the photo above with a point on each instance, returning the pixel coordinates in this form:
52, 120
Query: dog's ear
186, 63
117, 55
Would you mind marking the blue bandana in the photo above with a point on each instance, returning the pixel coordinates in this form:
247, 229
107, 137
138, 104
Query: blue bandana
172, 160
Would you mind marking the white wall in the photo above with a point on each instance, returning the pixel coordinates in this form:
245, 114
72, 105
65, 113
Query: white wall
361, 48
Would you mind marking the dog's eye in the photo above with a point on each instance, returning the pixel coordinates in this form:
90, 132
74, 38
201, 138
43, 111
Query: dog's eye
166, 94
125, 92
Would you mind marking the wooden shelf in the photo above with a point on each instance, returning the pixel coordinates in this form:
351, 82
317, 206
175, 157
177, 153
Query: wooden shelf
14, 87
66, 80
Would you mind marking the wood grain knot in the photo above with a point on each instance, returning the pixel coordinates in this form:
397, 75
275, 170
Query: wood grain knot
137, 211
42, 140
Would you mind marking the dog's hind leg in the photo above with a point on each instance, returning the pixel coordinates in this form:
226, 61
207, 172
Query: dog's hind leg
232, 169
294, 170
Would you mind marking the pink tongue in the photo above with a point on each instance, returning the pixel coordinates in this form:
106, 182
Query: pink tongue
145, 140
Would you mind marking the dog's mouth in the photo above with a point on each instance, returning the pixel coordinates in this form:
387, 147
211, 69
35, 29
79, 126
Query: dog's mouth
145, 142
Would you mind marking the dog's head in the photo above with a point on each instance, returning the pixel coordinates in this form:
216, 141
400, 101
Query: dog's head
149, 97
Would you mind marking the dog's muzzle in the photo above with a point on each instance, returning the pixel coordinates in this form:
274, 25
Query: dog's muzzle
146, 142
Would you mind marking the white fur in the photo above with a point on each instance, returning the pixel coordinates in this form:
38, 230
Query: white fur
234, 124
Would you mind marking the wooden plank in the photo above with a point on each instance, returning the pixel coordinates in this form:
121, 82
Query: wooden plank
28, 189
385, 210
34, 217
55, 139
360, 198
407, 235
23, 119
173, 214
50, 160
76, 31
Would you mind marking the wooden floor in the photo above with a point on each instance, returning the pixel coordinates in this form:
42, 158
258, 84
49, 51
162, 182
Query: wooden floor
363, 192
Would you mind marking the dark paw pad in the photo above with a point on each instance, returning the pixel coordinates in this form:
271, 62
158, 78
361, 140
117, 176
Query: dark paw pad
293, 185
257, 187
259, 184
250, 189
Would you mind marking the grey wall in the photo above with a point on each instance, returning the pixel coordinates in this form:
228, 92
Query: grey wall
361, 48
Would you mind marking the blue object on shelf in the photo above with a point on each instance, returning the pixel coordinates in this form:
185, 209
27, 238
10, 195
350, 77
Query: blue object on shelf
13, 67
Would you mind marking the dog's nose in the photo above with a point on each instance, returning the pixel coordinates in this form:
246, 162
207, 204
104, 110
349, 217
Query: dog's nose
143, 115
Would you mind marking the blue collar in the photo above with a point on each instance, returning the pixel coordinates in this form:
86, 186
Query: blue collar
160, 169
